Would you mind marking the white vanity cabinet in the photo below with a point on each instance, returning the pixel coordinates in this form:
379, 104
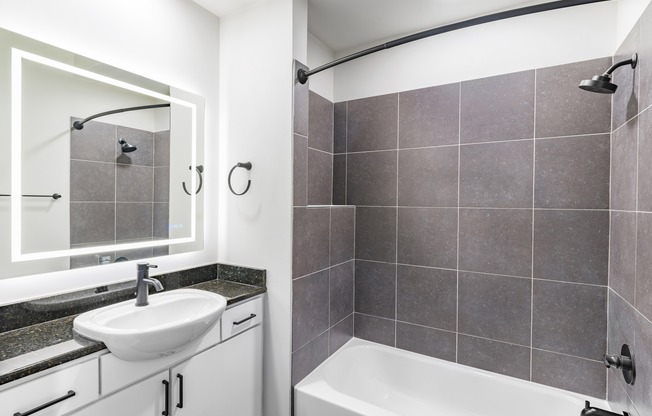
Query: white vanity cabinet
225, 379
145, 398
55, 393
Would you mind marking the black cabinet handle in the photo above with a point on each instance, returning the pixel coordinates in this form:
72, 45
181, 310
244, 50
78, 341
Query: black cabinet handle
46, 405
252, 316
166, 412
180, 404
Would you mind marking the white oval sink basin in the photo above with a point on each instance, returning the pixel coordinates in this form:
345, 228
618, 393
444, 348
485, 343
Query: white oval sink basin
169, 324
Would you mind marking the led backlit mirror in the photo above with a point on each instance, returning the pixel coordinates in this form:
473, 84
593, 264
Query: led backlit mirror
104, 165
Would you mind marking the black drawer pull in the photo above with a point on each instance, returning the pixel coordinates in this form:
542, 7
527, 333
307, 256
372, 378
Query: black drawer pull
180, 404
166, 412
46, 405
252, 316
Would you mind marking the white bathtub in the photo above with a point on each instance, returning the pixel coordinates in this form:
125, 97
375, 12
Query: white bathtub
364, 378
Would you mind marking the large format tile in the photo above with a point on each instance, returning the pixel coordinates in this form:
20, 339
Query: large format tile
340, 334
371, 328
640, 392
320, 177
644, 161
375, 234
498, 108
570, 318
428, 177
133, 220
375, 289
427, 341
162, 184
625, 99
134, 183
429, 116
309, 357
311, 239
623, 166
643, 285
339, 179
162, 148
572, 172
339, 127
427, 237
310, 308
301, 102
92, 222
341, 291
95, 142
371, 178
92, 181
320, 125
161, 220
622, 324
495, 307
498, 357
427, 297
619, 401
569, 373
372, 123
571, 246
342, 234
496, 241
300, 170
496, 175
622, 254
563, 109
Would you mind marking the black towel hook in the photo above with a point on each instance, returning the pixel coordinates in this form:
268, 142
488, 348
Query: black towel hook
246, 165
200, 171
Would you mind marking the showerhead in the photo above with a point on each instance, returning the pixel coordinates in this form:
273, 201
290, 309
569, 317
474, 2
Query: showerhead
602, 83
126, 147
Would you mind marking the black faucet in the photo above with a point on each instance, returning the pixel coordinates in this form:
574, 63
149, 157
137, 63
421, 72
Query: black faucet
595, 411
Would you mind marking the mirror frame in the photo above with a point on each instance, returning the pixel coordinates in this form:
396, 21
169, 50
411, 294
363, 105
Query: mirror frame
17, 57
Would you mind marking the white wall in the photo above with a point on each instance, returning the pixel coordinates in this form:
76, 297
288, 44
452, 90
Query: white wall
534, 41
256, 47
628, 13
174, 42
319, 54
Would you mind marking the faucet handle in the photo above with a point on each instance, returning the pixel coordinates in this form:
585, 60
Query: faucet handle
146, 266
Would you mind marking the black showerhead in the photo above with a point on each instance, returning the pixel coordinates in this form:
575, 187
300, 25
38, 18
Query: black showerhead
602, 83
126, 147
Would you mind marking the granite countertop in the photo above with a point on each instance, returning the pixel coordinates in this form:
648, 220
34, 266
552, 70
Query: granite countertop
30, 349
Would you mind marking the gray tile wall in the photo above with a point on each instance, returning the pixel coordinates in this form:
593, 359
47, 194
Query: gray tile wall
630, 256
323, 240
482, 222
115, 196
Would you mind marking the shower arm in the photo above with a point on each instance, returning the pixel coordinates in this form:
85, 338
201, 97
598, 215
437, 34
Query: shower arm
302, 74
632, 61
78, 125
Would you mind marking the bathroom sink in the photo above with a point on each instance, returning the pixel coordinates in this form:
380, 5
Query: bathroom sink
169, 324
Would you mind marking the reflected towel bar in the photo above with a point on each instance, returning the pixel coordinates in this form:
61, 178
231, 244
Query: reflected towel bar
53, 196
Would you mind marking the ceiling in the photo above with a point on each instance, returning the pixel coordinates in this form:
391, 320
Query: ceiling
349, 24
223, 7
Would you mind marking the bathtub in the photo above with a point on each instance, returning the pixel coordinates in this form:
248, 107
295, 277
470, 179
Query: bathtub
364, 378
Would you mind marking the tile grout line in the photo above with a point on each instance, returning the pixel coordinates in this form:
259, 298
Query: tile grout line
398, 135
459, 179
534, 163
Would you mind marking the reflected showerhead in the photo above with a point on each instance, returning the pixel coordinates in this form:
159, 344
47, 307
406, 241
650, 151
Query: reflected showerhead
602, 83
126, 147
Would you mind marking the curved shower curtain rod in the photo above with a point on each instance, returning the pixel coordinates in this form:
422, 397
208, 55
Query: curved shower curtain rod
302, 74
78, 125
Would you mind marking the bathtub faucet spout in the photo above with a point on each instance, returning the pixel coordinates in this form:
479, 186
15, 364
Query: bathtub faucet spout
595, 411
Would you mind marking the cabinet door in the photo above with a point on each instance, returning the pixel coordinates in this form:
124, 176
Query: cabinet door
225, 380
146, 398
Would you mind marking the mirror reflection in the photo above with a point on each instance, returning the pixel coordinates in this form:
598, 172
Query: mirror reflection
105, 165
